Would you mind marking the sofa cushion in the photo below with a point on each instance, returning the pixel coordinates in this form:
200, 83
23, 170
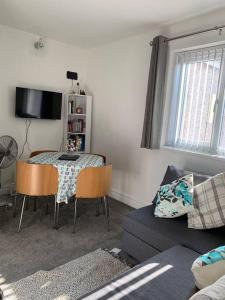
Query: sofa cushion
173, 173
175, 199
209, 204
215, 291
164, 276
209, 267
162, 234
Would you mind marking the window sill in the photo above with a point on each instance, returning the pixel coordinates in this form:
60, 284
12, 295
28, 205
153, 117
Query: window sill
189, 152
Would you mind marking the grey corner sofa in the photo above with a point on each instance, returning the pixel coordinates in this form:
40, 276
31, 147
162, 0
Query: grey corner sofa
165, 249
145, 235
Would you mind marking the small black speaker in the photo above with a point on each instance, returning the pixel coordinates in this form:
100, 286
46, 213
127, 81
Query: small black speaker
72, 75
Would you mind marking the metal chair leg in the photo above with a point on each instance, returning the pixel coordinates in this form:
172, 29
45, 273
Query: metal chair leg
15, 206
107, 212
21, 215
27, 204
75, 215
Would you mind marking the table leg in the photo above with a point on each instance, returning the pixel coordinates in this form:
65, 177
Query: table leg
106, 202
15, 206
56, 214
75, 215
97, 208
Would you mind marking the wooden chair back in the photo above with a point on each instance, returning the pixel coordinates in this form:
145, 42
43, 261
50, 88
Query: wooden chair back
34, 153
94, 182
36, 179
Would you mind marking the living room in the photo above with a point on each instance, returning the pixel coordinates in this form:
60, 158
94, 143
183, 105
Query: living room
107, 46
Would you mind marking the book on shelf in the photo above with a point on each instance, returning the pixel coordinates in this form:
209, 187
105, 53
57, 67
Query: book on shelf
76, 126
70, 107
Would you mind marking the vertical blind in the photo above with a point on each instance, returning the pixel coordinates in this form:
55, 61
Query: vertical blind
196, 122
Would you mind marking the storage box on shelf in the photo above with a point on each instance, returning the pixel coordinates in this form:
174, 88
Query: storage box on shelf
78, 122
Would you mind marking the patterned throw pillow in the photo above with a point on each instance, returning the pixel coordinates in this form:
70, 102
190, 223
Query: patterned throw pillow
174, 173
175, 199
209, 204
209, 267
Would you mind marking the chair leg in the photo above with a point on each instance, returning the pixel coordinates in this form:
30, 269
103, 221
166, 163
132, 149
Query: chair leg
27, 204
21, 215
75, 215
106, 202
15, 206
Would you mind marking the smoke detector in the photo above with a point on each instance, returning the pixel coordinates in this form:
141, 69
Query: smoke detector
39, 44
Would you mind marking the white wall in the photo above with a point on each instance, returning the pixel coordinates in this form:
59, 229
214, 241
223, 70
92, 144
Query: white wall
117, 77
22, 65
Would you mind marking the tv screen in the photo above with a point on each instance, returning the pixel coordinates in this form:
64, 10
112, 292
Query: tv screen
38, 104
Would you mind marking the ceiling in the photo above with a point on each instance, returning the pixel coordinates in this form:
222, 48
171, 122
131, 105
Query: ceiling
92, 22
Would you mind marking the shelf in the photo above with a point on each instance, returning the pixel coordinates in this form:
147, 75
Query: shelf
80, 115
75, 133
78, 121
76, 95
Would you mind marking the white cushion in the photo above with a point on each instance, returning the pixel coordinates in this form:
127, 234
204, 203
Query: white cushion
215, 291
209, 267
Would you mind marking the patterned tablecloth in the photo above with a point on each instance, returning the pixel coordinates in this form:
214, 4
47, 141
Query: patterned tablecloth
67, 170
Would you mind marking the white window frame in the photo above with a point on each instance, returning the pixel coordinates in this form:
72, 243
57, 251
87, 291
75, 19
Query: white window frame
219, 106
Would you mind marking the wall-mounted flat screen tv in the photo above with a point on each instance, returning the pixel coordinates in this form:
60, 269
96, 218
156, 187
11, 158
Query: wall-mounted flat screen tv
37, 104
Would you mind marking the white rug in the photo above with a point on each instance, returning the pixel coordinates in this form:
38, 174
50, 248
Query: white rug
69, 281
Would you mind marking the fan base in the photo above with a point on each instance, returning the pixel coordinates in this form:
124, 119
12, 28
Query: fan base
6, 201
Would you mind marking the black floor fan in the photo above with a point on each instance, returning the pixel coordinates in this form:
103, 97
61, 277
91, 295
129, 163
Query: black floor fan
8, 154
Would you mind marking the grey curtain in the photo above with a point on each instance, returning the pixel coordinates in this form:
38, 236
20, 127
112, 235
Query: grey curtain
154, 101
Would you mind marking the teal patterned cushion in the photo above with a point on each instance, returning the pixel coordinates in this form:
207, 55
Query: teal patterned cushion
211, 257
175, 199
209, 267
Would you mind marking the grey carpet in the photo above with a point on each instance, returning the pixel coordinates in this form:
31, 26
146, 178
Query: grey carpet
39, 247
69, 281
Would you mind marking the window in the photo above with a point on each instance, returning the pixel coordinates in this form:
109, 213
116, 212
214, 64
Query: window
197, 118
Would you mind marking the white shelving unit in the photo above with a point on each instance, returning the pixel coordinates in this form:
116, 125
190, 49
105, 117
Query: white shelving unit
77, 128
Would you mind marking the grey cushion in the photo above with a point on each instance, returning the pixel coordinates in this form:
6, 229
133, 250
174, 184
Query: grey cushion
162, 234
173, 173
164, 276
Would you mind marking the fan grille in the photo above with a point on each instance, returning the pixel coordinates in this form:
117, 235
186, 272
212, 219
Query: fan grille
8, 151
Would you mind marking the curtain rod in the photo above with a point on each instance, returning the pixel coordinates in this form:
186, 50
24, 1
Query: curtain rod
194, 33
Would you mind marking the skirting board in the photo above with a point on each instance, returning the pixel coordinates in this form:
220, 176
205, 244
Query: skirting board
127, 199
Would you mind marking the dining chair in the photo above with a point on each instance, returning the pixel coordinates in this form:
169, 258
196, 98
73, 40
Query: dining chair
32, 154
37, 152
35, 180
93, 183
